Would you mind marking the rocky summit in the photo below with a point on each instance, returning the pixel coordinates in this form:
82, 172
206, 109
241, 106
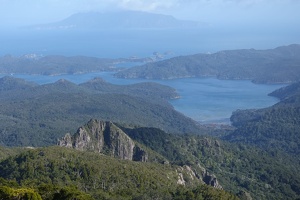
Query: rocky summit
106, 138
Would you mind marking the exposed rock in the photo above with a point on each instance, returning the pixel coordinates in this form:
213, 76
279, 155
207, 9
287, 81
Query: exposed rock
66, 141
139, 154
206, 177
210, 179
181, 180
104, 137
186, 175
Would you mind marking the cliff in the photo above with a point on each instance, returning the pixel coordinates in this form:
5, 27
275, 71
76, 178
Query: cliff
106, 138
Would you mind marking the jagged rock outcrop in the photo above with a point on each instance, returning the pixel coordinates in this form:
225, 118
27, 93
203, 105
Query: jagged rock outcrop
207, 178
210, 179
66, 141
188, 174
104, 137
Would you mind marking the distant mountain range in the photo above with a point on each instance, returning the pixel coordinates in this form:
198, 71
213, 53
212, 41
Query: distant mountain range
119, 20
279, 65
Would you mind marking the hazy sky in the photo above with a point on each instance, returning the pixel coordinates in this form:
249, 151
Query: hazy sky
27, 12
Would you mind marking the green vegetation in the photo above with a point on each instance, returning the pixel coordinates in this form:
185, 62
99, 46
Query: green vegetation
240, 169
276, 128
264, 175
279, 65
154, 92
275, 131
56, 172
257, 158
11, 190
36, 115
22, 193
6, 152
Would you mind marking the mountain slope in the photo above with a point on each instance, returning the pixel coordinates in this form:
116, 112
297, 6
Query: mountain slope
38, 115
279, 65
273, 128
238, 168
286, 92
150, 91
9, 83
101, 176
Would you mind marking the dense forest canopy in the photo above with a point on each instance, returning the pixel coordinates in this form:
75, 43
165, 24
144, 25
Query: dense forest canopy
128, 142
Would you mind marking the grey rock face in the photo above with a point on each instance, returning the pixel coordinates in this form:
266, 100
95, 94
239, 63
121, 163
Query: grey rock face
211, 180
66, 141
104, 137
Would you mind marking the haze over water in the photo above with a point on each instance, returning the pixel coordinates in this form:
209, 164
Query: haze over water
140, 43
234, 24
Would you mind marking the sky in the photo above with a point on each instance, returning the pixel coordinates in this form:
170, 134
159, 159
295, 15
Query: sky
30, 12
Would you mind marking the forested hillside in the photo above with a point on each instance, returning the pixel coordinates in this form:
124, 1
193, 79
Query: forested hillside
132, 144
61, 173
286, 92
274, 128
279, 65
259, 159
238, 167
243, 170
36, 115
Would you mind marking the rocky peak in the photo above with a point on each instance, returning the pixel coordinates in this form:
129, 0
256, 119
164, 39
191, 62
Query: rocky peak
106, 138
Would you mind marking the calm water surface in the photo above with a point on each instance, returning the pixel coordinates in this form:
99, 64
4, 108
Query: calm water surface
203, 99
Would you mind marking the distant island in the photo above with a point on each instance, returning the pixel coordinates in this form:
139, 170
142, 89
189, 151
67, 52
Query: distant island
119, 20
279, 65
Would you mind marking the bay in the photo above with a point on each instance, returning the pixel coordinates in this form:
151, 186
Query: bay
206, 100
203, 99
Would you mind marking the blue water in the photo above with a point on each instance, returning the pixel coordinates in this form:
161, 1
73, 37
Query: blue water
203, 99
141, 43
